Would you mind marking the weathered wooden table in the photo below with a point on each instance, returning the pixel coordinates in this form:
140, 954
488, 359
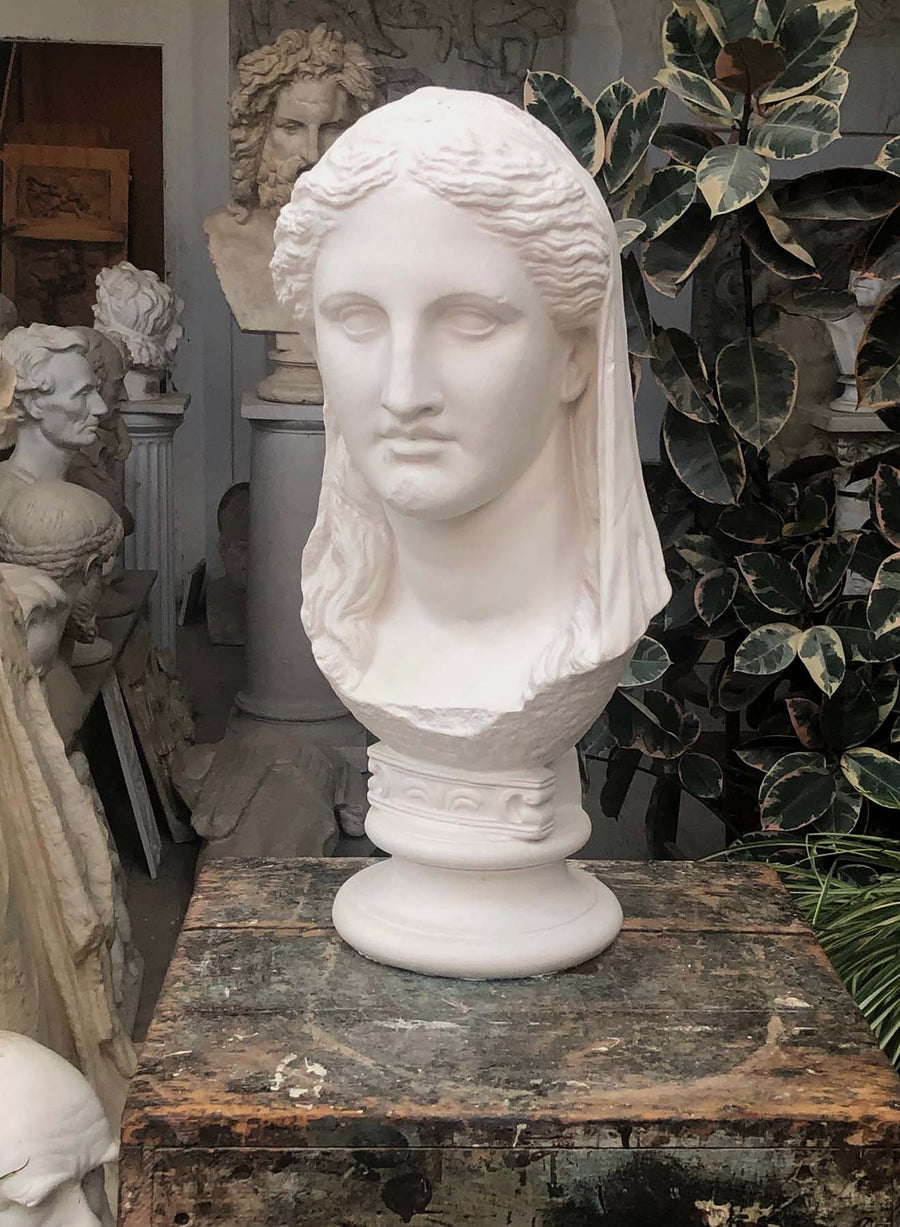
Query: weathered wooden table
708, 1070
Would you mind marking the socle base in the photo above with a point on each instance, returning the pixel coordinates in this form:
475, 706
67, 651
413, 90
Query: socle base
477, 925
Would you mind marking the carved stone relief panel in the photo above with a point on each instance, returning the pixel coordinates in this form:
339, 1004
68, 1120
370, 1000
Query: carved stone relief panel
483, 45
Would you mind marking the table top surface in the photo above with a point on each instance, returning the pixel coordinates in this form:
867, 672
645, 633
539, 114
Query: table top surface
713, 1020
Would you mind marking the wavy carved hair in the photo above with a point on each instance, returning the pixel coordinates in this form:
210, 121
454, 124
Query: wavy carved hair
488, 157
316, 54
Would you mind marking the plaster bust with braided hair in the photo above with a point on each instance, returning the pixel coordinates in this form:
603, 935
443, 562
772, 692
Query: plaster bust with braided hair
292, 99
72, 535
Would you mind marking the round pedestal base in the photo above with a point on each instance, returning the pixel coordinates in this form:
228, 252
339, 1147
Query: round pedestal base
476, 925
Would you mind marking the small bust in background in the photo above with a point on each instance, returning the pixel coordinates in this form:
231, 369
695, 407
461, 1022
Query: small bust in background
226, 597
73, 535
142, 315
56, 404
54, 1140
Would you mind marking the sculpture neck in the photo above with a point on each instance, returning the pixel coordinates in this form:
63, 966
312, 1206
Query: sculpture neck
37, 456
510, 559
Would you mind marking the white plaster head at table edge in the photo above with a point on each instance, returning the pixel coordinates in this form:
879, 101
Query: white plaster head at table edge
457, 272
56, 403
54, 1140
142, 315
73, 535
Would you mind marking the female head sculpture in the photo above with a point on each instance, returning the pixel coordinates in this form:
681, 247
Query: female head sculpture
54, 1140
519, 184
484, 558
44, 608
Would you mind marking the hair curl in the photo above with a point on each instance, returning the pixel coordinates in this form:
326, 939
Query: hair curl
522, 196
317, 54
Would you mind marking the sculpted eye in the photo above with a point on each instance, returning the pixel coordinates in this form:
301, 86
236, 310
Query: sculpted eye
360, 322
470, 322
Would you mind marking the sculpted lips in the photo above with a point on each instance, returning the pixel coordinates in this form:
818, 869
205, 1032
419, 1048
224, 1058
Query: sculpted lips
415, 442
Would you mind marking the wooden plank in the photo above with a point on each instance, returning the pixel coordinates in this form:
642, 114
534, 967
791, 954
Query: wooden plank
141, 806
655, 896
496, 1187
74, 229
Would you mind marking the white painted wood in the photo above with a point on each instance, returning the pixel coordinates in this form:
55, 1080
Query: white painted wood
126, 749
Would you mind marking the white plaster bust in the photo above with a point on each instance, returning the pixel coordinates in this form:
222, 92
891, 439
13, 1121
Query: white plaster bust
56, 404
45, 611
484, 558
54, 1140
73, 535
142, 315
291, 100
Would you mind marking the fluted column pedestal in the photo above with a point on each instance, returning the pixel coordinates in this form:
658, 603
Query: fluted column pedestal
272, 787
149, 493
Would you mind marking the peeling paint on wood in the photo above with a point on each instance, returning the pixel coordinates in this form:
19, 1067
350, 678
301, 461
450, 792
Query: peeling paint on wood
707, 1070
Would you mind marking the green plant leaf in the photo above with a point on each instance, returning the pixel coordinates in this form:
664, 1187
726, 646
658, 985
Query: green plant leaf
685, 143
679, 370
561, 107
804, 716
796, 797
630, 134
842, 815
813, 38
828, 565
753, 523
884, 686
610, 102
851, 715
680, 611
871, 551
883, 605
822, 652
889, 157
628, 229
818, 304
699, 551
874, 774
731, 19
833, 86
846, 193
886, 501
771, 239
860, 645
637, 312
882, 258
706, 456
768, 649
731, 177
812, 516
748, 64
774, 581
714, 593
659, 726
796, 129
648, 663
700, 775
693, 89
757, 384
878, 356
680, 250
689, 44
665, 197
761, 755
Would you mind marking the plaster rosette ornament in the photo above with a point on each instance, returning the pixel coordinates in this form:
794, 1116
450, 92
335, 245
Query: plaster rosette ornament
484, 559
56, 404
292, 98
54, 1140
142, 315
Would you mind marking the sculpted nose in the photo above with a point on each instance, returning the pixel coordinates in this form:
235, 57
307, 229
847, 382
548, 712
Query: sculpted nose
408, 390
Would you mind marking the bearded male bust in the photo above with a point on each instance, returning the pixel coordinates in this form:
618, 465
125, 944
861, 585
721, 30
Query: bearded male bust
292, 99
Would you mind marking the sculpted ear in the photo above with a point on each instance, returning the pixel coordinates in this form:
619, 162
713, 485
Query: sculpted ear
580, 359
